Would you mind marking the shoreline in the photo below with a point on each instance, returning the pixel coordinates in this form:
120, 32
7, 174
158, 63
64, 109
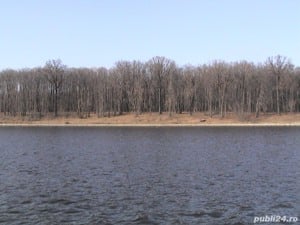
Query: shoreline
153, 125
156, 120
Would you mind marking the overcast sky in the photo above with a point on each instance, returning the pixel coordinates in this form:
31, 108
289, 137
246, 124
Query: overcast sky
87, 33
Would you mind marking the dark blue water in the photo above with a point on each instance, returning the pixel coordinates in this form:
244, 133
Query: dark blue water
148, 175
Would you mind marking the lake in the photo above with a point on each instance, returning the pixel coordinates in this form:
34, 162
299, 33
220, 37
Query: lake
186, 175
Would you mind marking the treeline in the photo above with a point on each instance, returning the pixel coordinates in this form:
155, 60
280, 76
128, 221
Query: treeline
158, 85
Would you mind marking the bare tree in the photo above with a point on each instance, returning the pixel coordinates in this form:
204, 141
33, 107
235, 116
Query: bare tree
278, 65
54, 71
190, 88
160, 67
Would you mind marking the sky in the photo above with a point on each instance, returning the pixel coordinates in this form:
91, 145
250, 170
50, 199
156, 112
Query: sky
96, 33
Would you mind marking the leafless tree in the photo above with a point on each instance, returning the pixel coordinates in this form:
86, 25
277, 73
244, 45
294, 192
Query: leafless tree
278, 66
160, 68
54, 71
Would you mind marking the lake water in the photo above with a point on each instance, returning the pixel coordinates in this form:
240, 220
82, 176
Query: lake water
148, 175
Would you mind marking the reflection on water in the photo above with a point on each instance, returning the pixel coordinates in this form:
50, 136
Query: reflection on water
148, 175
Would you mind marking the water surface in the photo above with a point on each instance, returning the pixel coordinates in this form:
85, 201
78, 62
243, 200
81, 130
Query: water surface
148, 175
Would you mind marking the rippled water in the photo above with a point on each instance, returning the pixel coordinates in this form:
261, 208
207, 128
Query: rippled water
148, 175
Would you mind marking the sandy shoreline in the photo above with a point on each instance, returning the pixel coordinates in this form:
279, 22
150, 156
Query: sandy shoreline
156, 120
154, 125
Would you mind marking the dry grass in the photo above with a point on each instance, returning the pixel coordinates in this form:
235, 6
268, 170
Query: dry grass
156, 119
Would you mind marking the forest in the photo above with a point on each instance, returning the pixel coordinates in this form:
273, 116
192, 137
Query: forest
158, 85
